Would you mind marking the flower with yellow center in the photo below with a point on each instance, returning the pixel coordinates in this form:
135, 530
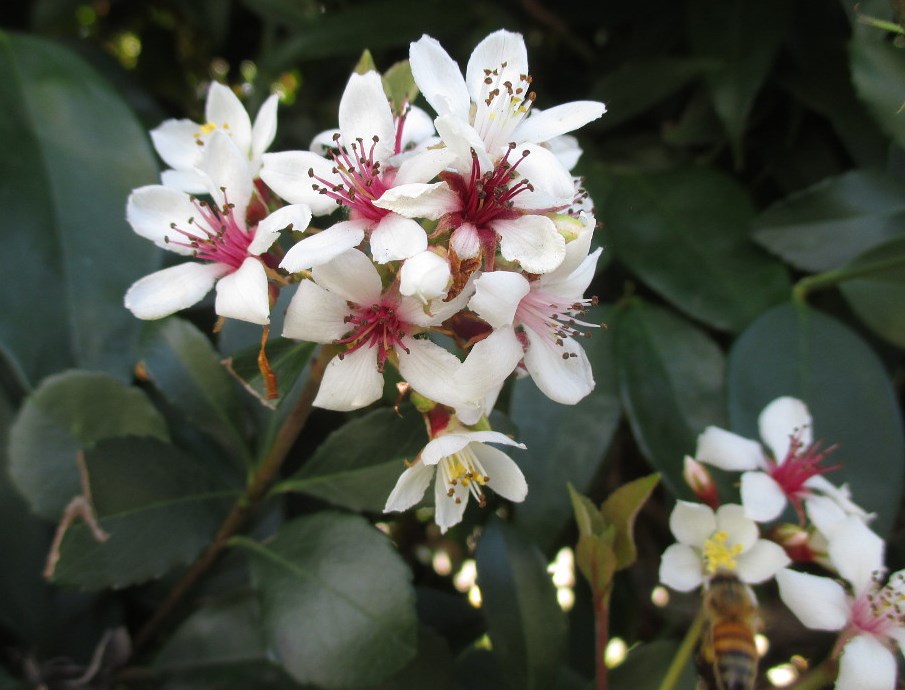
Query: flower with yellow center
720, 541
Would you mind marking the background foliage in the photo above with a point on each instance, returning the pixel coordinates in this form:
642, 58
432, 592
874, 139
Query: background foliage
750, 182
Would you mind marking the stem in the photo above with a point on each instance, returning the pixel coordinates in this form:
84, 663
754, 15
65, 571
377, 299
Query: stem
880, 24
246, 504
683, 654
830, 278
602, 625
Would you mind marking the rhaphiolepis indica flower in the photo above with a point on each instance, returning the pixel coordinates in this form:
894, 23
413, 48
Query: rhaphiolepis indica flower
710, 542
230, 250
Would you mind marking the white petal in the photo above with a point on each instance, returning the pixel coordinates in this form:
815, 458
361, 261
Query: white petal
565, 147
462, 139
533, 241
293, 217
730, 518
175, 143
825, 514
558, 120
265, 127
325, 246
728, 451
488, 364
364, 113
396, 237
351, 382
548, 177
497, 296
424, 166
166, 292
227, 169
425, 276
866, 664
465, 241
418, 127
490, 54
577, 269
188, 181
324, 143
150, 210
286, 173
818, 602
446, 445
410, 487
351, 275
243, 294
224, 109
315, 314
563, 380
429, 369
761, 562
856, 552
692, 523
504, 476
448, 511
680, 568
439, 78
418, 200
762, 497
779, 420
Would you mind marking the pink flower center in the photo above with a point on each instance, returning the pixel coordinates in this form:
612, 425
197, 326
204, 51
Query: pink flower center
376, 326
215, 234
361, 179
881, 608
554, 318
800, 464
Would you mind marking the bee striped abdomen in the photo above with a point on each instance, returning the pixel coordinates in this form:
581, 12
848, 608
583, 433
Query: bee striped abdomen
736, 654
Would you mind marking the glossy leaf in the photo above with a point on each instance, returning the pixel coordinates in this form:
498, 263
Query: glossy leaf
575, 451
159, 507
685, 234
526, 626
69, 412
316, 606
357, 466
72, 152
671, 379
829, 224
182, 363
877, 67
620, 510
806, 354
878, 295
741, 39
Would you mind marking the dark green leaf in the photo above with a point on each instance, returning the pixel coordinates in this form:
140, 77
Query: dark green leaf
877, 68
829, 224
358, 464
287, 359
569, 446
646, 665
72, 152
671, 378
431, 668
620, 510
803, 353
70, 412
159, 507
526, 625
326, 622
184, 366
877, 296
685, 233
741, 39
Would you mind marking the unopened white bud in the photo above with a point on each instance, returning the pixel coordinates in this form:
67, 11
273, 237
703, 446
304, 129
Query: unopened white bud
425, 276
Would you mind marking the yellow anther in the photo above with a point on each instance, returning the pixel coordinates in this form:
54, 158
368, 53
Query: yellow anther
208, 127
718, 554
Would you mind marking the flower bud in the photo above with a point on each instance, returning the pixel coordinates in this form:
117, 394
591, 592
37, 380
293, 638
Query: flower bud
797, 542
425, 276
700, 481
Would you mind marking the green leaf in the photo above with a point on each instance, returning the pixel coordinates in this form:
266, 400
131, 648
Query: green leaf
357, 466
685, 234
646, 665
596, 559
877, 67
67, 413
803, 353
741, 39
620, 510
671, 378
574, 453
287, 359
588, 517
365, 63
526, 625
159, 507
829, 224
877, 296
182, 363
399, 85
326, 623
72, 153
431, 668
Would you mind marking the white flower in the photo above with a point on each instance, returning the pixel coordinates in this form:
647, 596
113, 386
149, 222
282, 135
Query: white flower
792, 475
463, 465
229, 250
360, 168
181, 143
868, 615
494, 97
711, 542
546, 309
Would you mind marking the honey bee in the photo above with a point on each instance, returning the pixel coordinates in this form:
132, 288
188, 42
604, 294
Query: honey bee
727, 658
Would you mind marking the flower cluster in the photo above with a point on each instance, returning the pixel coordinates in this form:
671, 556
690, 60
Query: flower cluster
469, 225
866, 608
